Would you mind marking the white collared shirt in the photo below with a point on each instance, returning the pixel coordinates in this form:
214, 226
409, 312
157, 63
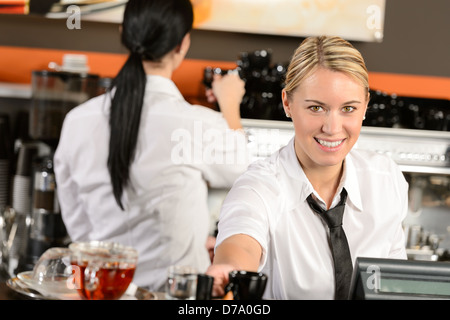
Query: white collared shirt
181, 150
268, 203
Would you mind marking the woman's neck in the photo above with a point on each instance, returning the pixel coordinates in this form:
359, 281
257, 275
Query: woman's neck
325, 180
166, 65
158, 69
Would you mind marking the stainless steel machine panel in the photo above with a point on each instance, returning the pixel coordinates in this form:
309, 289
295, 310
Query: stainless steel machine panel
414, 150
266, 136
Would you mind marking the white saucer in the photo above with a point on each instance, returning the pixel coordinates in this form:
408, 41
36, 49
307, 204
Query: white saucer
24, 284
57, 290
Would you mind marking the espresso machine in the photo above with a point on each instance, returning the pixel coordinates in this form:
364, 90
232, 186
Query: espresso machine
38, 224
424, 158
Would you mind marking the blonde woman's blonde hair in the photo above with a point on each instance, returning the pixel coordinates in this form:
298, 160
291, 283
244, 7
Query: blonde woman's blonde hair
329, 52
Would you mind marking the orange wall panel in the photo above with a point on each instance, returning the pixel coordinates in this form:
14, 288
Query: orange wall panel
411, 85
17, 63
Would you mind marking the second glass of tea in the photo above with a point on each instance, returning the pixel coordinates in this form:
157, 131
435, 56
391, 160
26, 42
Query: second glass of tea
102, 270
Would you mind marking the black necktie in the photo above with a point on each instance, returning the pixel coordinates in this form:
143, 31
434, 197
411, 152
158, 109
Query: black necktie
339, 247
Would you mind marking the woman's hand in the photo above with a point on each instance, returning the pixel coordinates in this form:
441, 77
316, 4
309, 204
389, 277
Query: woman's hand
210, 244
220, 273
237, 252
228, 90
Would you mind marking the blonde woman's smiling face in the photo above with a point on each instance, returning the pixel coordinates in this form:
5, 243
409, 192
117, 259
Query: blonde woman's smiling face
327, 110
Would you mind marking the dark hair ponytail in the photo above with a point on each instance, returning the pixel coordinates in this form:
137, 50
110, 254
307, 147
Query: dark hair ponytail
150, 29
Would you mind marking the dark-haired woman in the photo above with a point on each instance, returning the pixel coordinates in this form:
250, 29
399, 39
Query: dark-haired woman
134, 165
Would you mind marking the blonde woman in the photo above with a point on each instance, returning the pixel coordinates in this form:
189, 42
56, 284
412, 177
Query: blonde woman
267, 223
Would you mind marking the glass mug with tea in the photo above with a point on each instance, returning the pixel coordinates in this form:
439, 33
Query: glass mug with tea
181, 283
102, 270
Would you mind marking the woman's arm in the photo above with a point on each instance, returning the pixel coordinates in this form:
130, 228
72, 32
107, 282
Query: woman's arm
238, 252
229, 91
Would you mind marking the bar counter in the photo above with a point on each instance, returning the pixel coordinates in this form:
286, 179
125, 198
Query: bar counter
7, 293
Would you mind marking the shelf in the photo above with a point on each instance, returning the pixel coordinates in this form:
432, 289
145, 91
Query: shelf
15, 90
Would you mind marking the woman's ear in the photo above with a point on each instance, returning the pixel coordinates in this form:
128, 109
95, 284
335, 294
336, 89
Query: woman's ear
366, 105
185, 44
286, 106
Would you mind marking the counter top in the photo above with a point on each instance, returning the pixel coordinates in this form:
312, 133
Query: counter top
7, 293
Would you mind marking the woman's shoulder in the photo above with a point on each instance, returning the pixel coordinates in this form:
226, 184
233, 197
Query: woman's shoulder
197, 110
178, 107
373, 161
262, 173
95, 105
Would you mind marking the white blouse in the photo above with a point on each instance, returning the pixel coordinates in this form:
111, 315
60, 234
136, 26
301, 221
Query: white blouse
181, 150
268, 203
